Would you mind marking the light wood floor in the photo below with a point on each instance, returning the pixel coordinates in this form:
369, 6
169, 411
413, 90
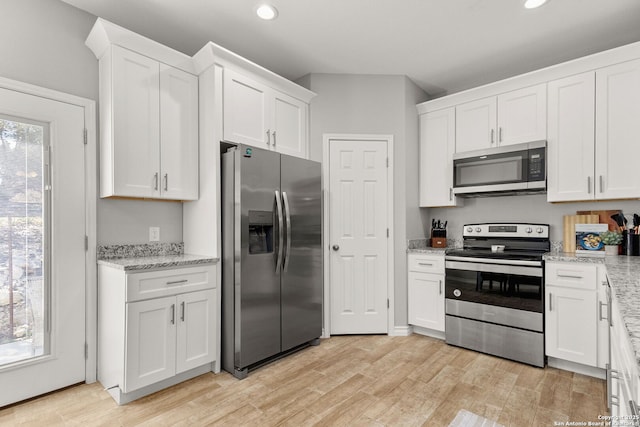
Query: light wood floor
346, 380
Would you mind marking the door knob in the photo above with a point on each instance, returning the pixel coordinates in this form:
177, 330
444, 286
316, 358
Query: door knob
335, 247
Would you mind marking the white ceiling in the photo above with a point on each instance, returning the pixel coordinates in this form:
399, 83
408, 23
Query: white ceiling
444, 46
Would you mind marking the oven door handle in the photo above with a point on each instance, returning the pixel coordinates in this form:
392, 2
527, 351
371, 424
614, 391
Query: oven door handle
494, 268
494, 261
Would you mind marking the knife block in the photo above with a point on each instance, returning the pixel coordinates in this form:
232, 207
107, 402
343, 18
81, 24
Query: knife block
438, 242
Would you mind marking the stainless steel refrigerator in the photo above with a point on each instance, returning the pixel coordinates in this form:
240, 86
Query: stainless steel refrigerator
271, 256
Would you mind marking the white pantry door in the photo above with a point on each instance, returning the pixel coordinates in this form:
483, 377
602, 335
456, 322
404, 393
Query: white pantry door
44, 349
358, 236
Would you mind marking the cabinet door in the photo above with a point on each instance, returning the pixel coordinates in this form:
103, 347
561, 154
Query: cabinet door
571, 139
476, 125
135, 116
571, 325
245, 110
196, 329
426, 300
289, 125
150, 342
522, 115
437, 145
617, 130
178, 134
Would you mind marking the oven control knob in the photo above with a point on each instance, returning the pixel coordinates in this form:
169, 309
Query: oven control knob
528, 230
457, 293
469, 229
539, 230
478, 229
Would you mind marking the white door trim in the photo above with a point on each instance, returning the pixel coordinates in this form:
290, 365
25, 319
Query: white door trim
91, 272
326, 139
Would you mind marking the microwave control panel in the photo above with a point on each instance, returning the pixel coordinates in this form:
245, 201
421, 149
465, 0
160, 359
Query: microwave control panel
537, 164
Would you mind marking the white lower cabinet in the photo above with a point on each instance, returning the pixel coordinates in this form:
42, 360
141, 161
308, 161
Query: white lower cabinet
156, 328
575, 321
426, 291
624, 386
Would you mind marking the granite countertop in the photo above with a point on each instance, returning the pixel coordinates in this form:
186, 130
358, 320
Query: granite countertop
419, 246
160, 261
149, 256
624, 276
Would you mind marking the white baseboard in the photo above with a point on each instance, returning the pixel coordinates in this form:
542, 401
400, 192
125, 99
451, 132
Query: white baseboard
579, 368
401, 331
428, 332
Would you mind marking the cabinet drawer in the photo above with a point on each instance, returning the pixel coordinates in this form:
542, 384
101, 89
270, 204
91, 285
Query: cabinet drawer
571, 275
153, 284
426, 263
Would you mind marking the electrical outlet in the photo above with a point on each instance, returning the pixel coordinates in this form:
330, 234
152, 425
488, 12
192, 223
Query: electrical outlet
154, 234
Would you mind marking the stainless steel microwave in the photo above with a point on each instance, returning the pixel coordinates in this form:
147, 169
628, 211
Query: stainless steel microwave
510, 169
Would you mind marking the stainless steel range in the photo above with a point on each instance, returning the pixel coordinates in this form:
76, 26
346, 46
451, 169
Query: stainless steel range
494, 291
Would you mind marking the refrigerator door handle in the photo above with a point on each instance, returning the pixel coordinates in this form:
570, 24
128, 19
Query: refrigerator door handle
287, 213
280, 235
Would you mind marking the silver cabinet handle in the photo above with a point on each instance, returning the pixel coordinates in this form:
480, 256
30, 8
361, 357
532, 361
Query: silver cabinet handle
492, 139
176, 282
601, 184
155, 181
600, 304
335, 247
166, 182
450, 193
173, 314
182, 311
426, 263
588, 185
570, 276
280, 235
268, 137
550, 302
287, 217
500, 134
608, 376
440, 284
274, 137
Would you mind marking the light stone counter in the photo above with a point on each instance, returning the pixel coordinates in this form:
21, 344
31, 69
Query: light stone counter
149, 256
624, 276
153, 262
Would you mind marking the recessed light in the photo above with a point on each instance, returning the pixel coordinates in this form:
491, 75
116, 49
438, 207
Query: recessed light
267, 12
532, 4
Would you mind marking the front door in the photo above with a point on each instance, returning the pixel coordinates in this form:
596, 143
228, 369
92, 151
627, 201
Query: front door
358, 201
42, 254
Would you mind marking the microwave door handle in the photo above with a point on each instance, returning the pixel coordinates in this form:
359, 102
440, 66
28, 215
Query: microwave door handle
280, 235
287, 216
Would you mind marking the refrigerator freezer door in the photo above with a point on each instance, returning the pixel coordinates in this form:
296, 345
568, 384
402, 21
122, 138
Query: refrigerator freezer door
302, 280
257, 283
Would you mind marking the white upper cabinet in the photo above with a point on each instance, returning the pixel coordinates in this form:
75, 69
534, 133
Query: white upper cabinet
522, 115
617, 130
148, 117
593, 131
178, 134
290, 118
571, 157
130, 142
258, 115
510, 118
245, 110
437, 145
476, 125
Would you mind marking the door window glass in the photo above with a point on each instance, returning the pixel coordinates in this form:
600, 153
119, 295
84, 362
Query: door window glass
23, 240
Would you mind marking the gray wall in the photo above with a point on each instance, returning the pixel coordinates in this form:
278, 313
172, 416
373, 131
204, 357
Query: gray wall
532, 208
43, 44
375, 104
